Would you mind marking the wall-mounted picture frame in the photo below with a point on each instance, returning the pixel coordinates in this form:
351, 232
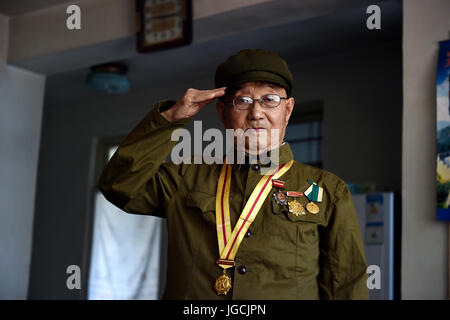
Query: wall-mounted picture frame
443, 132
163, 24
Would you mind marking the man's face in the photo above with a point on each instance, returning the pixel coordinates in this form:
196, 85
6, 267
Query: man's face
258, 122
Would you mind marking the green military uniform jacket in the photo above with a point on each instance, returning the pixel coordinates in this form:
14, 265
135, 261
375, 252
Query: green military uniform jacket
283, 256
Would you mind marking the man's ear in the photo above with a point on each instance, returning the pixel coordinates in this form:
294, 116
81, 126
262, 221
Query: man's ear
220, 107
289, 108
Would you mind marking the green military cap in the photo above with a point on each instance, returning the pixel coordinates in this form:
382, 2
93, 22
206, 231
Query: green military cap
254, 65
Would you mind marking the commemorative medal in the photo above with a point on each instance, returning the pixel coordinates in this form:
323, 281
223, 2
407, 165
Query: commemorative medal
296, 208
223, 284
280, 198
312, 208
315, 194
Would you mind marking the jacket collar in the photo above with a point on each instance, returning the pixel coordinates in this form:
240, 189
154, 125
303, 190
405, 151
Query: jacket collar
284, 155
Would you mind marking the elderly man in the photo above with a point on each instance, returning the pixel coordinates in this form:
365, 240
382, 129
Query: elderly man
235, 232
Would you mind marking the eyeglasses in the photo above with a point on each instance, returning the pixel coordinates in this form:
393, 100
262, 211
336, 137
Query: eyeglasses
267, 101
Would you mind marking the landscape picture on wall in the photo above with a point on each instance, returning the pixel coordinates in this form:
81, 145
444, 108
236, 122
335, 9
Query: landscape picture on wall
443, 132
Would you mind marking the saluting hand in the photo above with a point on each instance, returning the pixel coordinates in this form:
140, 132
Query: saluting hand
191, 103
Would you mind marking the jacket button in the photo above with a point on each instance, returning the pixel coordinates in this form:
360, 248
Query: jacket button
248, 234
242, 270
255, 167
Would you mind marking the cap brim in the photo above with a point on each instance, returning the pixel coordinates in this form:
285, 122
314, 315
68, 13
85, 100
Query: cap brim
260, 76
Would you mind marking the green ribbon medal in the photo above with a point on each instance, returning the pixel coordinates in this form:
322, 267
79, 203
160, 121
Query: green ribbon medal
314, 193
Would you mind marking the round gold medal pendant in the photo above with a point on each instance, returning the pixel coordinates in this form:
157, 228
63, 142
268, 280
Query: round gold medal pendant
223, 284
312, 207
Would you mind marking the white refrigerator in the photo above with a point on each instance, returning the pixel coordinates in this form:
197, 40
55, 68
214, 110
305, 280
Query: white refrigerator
376, 219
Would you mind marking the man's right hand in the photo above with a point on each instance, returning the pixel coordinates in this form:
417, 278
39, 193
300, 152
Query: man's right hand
191, 103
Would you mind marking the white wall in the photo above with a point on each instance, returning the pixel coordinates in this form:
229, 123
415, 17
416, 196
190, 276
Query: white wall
424, 239
21, 103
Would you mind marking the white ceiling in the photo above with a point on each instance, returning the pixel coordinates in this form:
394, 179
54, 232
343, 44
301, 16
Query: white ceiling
16, 7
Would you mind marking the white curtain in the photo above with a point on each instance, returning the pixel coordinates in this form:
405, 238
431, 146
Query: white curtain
128, 254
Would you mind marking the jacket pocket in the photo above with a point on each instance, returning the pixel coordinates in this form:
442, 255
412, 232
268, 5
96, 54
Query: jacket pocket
306, 224
307, 251
205, 203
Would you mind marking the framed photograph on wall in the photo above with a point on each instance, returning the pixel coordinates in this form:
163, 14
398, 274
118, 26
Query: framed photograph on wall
443, 132
163, 24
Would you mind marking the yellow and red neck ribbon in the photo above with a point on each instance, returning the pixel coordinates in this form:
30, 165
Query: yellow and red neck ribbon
229, 241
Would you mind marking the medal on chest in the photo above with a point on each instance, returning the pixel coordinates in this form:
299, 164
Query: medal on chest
289, 198
312, 208
223, 284
315, 194
296, 207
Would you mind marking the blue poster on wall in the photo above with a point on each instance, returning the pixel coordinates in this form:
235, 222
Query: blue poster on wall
443, 132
